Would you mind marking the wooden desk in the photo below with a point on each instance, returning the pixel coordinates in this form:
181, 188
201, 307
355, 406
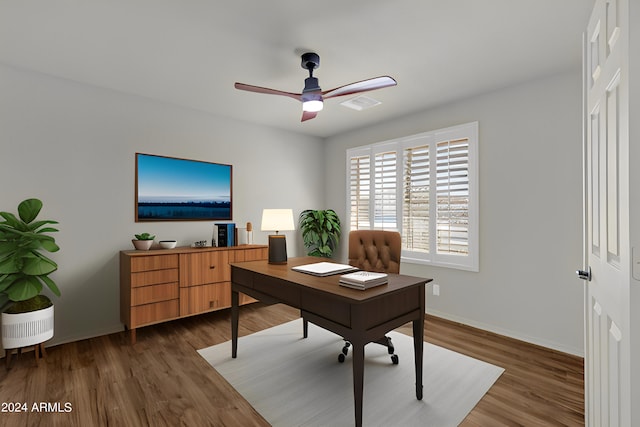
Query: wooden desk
360, 317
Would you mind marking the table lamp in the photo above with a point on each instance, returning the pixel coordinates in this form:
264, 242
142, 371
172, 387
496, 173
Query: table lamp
277, 220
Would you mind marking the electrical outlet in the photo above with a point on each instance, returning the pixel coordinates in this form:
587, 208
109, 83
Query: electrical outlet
435, 289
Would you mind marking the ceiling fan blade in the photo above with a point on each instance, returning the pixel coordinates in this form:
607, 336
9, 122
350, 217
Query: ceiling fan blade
308, 115
266, 90
362, 86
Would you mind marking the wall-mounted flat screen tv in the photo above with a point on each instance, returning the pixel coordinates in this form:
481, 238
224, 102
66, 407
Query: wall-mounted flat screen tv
172, 189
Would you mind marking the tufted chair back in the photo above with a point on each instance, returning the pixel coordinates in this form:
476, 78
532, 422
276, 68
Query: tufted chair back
375, 250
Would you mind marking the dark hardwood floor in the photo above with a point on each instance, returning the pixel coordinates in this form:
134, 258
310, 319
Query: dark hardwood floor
162, 381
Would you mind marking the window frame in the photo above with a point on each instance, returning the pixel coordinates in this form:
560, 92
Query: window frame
468, 131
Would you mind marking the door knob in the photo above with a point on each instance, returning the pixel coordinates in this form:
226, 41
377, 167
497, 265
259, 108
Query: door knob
584, 274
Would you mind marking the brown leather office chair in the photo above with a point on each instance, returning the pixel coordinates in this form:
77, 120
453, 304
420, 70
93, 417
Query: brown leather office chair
375, 250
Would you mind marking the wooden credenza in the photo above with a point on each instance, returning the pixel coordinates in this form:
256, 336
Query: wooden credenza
166, 284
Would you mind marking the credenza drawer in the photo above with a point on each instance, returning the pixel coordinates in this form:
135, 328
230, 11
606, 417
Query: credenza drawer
154, 277
198, 299
150, 313
155, 293
249, 255
205, 267
156, 262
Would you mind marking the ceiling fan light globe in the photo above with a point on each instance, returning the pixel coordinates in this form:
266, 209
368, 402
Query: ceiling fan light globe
312, 106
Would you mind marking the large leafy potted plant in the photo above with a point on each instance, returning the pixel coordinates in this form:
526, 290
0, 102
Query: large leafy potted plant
24, 269
320, 231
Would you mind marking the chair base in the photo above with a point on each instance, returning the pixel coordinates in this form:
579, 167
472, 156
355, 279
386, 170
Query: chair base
385, 341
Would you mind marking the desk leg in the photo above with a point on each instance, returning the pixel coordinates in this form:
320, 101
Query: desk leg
235, 312
358, 379
418, 333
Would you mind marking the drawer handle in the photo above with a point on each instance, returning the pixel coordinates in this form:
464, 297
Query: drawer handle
212, 267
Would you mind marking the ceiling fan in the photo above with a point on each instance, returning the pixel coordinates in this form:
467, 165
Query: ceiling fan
312, 96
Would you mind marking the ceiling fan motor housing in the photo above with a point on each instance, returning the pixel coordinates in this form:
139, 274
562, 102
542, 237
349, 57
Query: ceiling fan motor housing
311, 85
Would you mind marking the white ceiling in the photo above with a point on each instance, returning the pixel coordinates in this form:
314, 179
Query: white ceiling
190, 52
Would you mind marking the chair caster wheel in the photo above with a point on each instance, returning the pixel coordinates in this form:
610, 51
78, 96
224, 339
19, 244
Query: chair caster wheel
391, 350
394, 359
345, 349
341, 358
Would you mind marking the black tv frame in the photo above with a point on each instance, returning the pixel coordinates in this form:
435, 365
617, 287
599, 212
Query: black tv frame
177, 205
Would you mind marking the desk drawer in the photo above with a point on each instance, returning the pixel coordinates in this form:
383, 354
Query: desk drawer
242, 277
393, 306
285, 292
329, 308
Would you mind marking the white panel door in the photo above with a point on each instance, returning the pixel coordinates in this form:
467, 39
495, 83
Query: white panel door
609, 339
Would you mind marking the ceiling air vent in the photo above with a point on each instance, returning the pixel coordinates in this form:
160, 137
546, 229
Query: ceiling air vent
360, 103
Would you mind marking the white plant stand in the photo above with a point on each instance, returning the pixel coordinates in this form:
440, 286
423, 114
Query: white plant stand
27, 329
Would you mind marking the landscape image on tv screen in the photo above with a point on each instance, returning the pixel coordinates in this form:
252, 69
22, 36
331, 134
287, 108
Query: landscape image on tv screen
169, 189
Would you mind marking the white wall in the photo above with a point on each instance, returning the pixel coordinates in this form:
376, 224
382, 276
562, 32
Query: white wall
73, 146
530, 210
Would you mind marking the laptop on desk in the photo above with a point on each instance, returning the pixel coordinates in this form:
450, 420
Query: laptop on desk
324, 268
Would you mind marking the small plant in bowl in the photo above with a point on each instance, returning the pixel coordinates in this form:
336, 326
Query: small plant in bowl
143, 241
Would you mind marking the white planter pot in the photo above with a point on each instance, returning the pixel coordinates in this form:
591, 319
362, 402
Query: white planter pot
142, 245
27, 329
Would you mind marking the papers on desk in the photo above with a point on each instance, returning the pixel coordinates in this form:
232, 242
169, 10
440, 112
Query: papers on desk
324, 268
363, 279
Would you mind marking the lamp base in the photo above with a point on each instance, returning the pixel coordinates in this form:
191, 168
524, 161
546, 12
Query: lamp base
277, 249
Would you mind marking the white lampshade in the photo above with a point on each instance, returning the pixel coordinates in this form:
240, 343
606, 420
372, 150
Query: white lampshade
277, 220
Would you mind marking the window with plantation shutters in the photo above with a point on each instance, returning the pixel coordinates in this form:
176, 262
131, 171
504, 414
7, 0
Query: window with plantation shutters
424, 186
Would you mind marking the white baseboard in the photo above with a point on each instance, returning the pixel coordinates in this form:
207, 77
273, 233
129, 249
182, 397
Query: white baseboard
511, 334
94, 334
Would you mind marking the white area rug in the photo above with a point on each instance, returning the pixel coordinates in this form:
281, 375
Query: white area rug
293, 381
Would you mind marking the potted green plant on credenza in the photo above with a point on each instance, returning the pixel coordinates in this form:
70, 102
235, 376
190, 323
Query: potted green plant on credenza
143, 242
320, 231
24, 269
